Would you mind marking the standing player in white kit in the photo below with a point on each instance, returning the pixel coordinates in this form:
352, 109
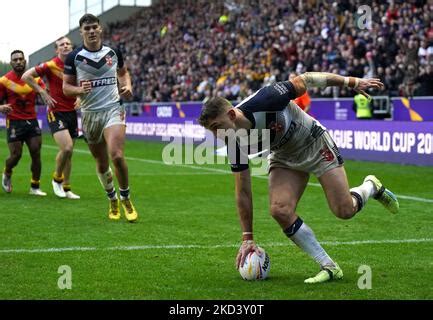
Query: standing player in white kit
97, 74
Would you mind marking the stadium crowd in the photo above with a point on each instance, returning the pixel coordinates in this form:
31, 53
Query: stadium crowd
187, 50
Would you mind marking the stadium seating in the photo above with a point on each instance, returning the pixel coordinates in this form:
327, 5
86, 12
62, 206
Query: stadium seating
187, 50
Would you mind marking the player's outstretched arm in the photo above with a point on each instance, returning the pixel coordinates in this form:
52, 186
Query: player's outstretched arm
29, 78
324, 79
244, 201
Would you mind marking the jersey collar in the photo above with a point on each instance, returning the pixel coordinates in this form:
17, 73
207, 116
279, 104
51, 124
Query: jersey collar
93, 50
249, 115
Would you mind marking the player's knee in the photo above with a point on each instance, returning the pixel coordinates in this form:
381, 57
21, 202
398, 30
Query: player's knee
35, 153
343, 211
16, 155
116, 156
280, 211
67, 151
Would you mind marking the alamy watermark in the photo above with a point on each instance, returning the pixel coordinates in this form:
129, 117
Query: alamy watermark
364, 17
365, 280
242, 147
65, 280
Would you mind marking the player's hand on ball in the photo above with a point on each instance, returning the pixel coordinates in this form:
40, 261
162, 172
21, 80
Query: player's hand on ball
365, 84
126, 92
246, 247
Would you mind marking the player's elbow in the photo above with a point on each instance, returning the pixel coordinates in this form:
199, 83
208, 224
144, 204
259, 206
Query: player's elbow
123, 72
26, 77
299, 85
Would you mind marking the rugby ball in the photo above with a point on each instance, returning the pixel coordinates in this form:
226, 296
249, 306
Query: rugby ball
255, 267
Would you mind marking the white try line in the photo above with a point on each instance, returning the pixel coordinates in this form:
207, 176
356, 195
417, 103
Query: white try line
197, 246
141, 174
194, 167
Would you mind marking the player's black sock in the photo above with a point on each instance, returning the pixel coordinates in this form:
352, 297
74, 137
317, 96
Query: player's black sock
290, 231
124, 193
358, 199
35, 184
57, 179
112, 194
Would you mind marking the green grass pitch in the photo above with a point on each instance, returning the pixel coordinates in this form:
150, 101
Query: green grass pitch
187, 237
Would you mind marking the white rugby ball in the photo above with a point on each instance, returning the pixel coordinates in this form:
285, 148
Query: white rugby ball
255, 267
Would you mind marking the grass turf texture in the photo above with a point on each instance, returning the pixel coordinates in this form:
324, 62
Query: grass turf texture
181, 206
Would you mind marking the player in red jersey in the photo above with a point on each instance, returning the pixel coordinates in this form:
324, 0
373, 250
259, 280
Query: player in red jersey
62, 117
21, 122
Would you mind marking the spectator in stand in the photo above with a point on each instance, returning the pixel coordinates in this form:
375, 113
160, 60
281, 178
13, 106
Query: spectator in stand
425, 80
174, 45
425, 52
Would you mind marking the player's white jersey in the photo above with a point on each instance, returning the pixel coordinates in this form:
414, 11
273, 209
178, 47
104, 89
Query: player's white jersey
100, 68
271, 111
289, 126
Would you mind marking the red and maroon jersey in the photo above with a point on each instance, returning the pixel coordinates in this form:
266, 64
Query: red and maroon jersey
19, 95
53, 72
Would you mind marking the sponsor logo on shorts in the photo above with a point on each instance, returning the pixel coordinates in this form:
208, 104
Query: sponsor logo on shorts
327, 154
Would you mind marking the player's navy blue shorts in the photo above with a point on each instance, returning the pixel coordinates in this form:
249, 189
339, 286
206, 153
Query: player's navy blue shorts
65, 120
21, 130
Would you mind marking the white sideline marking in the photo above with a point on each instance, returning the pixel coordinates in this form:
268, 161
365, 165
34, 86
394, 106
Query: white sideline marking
197, 246
78, 174
229, 172
414, 198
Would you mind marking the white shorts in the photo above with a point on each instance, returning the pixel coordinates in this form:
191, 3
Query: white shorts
94, 123
320, 156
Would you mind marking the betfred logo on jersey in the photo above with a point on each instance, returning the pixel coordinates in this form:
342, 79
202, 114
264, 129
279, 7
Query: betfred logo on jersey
102, 82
